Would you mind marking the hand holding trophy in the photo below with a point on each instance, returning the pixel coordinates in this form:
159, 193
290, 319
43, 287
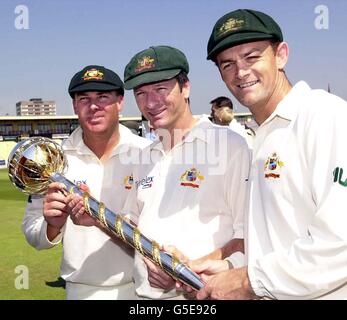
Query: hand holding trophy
36, 162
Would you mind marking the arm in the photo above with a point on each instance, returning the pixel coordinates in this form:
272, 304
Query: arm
314, 263
231, 284
44, 219
78, 215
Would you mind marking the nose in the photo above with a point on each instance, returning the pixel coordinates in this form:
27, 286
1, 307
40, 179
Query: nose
242, 70
94, 106
152, 100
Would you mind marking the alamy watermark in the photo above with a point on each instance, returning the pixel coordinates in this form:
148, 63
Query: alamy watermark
322, 19
21, 20
213, 149
22, 280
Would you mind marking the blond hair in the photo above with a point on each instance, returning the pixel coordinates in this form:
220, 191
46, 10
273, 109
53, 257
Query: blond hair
223, 116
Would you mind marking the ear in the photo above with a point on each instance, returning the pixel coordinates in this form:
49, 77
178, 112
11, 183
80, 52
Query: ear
282, 53
120, 103
74, 106
186, 90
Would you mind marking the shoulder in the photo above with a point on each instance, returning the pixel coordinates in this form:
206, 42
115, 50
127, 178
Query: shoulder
321, 101
226, 139
132, 139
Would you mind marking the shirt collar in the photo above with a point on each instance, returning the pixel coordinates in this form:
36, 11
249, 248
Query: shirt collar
126, 141
289, 106
198, 131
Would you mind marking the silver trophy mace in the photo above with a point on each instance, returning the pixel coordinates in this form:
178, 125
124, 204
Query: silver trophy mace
36, 162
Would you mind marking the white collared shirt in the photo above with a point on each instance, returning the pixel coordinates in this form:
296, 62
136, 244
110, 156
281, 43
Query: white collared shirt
89, 255
192, 197
297, 223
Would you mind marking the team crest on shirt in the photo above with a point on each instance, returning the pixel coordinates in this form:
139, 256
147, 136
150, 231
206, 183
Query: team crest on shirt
191, 178
273, 166
128, 182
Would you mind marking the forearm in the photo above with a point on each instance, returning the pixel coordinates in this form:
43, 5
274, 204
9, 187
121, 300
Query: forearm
228, 249
52, 232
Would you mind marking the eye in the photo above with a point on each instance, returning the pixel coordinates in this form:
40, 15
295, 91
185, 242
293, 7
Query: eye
83, 99
103, 98
252, 58
161, 89
227, 65
139, 94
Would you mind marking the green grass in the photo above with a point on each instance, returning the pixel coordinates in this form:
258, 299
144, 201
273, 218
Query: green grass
43, 266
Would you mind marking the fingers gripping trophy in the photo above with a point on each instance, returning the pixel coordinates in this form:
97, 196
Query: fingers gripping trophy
36, 162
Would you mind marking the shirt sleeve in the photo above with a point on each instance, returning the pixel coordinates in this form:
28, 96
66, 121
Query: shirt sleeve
34, 225
237, 259
235, 184
314, 264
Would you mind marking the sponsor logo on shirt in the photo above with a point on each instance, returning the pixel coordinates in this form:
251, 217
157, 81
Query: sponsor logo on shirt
273, 166
338, 173
81, 184
191, 178
145, 182
128, 182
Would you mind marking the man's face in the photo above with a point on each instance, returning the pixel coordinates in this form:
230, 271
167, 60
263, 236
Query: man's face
250, 72
163, 103
213, 109
97, 111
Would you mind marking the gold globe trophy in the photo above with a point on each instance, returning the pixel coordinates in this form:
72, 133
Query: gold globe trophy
36, 162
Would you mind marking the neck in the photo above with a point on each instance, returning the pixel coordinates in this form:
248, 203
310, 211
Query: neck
102, 144
172, 136
263, 110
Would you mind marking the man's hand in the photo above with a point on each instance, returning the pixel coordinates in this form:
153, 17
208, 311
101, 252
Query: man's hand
157, 278
232, 284
54, 209
205, 268
78, 215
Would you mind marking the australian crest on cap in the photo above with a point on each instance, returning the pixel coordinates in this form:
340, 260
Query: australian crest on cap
230, 25
94, 74
145, 63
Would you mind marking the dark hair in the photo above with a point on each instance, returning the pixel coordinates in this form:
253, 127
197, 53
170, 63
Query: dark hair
222, 102
182, 78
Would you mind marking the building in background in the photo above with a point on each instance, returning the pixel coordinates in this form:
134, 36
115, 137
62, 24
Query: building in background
36, 107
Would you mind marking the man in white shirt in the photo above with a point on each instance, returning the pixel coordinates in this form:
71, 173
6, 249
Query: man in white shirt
191, 185
296, 239
93, 266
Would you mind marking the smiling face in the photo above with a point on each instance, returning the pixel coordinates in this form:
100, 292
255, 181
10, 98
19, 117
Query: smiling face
253, 72
164, 103
98, 111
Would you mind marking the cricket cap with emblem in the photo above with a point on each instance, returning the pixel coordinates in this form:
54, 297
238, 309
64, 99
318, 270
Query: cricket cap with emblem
95, 78
241, 26
154, 64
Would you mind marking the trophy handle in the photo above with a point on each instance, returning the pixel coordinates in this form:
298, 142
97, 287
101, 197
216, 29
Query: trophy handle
131, 235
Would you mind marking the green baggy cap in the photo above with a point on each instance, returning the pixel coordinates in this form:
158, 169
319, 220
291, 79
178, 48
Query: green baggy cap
154, 64
241, 26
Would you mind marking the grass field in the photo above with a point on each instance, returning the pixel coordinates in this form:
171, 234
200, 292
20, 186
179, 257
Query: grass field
43, 266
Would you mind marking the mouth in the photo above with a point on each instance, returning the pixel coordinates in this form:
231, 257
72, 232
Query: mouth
94, 118
156, 114
247, 84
